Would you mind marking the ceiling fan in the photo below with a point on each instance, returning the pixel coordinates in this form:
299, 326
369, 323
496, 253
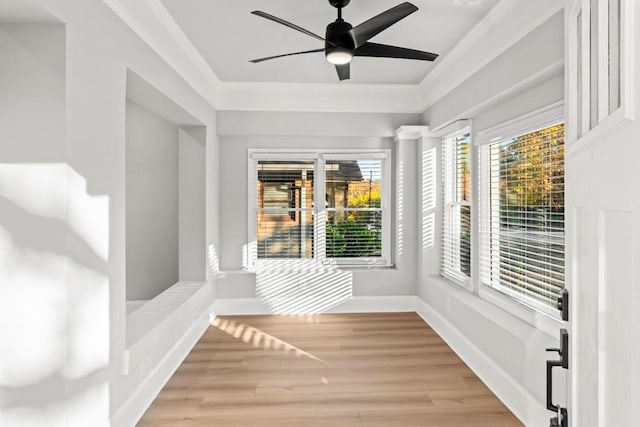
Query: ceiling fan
343, 41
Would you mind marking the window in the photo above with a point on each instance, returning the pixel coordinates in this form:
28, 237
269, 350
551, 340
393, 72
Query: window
354, 210
317, 206
285, 209
512, 177
599, 59
456, 237
522, 216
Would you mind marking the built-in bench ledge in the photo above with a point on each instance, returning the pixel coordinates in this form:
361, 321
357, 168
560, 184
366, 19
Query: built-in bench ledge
162, 321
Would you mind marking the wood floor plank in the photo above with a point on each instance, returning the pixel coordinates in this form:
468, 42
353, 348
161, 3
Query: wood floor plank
362, 370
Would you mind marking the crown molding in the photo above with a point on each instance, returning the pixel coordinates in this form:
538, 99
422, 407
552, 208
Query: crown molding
404, 133
153, 23
507, 23
530, 122
455, 128
326, 97
535, 79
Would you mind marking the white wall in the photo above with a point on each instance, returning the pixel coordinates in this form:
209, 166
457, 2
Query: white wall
241, 131
506, 351
151, 204
35, 232
192, 196
77, 270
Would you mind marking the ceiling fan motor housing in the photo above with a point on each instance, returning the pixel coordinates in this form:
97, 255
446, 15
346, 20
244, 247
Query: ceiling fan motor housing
339, 3
339, 38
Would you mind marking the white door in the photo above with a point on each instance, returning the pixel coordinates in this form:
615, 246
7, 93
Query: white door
603, 213
603, 201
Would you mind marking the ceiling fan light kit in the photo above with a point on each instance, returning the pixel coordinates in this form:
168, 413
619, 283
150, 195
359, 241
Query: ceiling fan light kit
343, 41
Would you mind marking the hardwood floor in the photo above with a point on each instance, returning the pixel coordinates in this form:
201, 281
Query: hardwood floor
336, 370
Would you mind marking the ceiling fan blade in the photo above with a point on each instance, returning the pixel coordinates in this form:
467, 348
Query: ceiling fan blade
386, 51
344, 71
363, 32
255, 61
286, 24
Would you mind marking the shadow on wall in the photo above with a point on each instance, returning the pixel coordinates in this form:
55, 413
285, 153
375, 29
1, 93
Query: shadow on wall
306, 291
54, 246
429, 198
53, 262
400, 208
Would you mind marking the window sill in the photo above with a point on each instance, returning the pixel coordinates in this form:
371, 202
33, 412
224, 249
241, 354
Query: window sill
303, 265
363, 266
498, 305
544, 322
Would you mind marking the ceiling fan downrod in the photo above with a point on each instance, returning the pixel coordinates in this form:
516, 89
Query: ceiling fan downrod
339, 4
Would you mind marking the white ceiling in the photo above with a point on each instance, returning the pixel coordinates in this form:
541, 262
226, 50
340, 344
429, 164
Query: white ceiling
228, 36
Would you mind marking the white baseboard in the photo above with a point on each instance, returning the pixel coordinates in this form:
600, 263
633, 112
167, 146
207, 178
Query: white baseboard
364, 304
130, 412
515, 397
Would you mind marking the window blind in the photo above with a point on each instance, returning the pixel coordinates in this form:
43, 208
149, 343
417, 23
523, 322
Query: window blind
456, 234
285, 216
522, 216
354, 208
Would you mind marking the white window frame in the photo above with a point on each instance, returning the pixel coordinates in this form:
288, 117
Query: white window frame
250, 256
581, 62
545, 320
448, 187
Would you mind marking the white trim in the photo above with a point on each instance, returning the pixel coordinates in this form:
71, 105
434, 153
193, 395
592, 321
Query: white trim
413, 132
319, 97
508, 22
581, 135
130, 412
544, 318
363, 304
571, 69
311, 153
519, 400
628, 58
453, 130
603, 66
539, 77
541, 320
282, 155
584, 67
451, 243
370, 154
250, 259
153, 23
614, 121
530, 122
